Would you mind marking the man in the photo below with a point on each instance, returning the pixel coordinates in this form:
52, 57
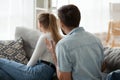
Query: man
79, 55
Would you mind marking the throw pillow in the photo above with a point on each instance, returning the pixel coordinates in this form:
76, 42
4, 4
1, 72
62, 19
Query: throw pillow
112, 58
13, 50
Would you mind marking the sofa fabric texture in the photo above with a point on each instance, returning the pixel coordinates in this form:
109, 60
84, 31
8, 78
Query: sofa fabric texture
13, 50
112, 58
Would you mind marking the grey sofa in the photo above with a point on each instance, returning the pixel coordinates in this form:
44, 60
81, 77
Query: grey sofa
30, 38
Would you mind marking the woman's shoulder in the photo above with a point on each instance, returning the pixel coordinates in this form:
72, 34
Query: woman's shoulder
42, 38
45, 35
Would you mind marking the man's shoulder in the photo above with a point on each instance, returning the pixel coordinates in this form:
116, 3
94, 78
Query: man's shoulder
61, 42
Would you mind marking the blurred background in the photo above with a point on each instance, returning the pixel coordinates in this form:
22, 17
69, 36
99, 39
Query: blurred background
96, 14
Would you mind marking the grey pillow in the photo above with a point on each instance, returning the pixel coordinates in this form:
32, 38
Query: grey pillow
30, 38
13, 50
112, 58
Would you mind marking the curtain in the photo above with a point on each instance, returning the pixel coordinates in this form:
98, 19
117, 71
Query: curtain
4, 19
15, 13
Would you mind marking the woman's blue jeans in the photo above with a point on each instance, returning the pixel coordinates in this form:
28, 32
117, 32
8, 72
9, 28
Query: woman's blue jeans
5, 76
19, 71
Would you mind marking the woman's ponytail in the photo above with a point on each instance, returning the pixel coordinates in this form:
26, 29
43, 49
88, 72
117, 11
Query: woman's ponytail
49, 23
54, 28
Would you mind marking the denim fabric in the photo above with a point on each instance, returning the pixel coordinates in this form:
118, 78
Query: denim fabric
81, 53
19, 71
5, 76
115, 75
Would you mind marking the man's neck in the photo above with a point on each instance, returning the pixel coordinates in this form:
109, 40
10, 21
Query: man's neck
67, 30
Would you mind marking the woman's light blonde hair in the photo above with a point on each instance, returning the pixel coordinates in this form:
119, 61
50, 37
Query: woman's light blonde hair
49, 23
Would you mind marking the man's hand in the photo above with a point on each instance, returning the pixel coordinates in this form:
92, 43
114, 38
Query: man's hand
51, 47
61, 75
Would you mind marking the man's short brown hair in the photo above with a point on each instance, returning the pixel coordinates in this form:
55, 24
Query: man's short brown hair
69, 15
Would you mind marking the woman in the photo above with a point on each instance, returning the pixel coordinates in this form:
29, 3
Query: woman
40, 66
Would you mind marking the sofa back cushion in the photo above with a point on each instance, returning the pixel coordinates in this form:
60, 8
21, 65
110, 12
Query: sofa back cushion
112, 58
30, 37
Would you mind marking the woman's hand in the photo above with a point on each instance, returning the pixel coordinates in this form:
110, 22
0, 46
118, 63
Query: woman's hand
51, 47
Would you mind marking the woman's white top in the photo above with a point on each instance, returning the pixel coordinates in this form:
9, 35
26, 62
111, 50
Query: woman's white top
41, 52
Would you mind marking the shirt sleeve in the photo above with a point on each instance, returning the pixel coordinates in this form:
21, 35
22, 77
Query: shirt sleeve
63, 59
39, 50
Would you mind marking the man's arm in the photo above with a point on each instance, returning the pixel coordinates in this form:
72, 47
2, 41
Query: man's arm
64, 75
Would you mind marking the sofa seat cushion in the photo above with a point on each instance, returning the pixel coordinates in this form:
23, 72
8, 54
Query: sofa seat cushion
13, 50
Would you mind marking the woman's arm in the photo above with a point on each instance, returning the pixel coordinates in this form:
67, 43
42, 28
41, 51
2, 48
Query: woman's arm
39, 50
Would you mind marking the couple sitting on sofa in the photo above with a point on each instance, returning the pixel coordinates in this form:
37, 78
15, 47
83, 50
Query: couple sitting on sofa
78, 56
